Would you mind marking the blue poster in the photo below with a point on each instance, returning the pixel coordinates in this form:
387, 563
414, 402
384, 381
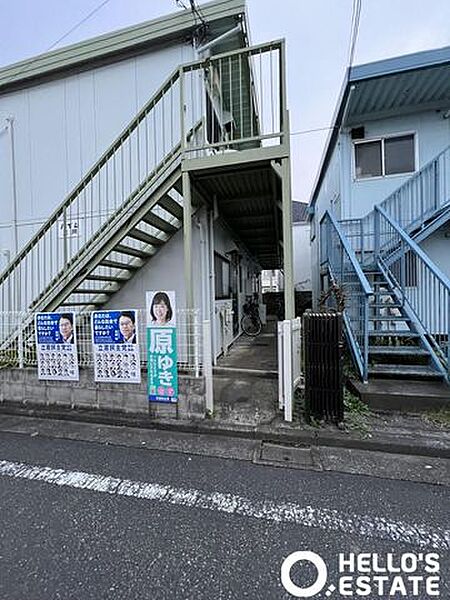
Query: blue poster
55, 328
114, 327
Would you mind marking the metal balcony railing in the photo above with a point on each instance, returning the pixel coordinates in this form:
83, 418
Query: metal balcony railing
238, 98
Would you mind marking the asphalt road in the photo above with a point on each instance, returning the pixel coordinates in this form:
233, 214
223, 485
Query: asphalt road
178, 526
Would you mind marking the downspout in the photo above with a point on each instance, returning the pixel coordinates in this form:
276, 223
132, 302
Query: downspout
212, 282
344, 174
203, 269
219, 39
10, 120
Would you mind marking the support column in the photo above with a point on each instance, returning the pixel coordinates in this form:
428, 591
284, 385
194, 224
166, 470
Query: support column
187, 240
288, 254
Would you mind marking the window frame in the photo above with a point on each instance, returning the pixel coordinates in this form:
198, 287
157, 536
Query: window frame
224, 259
381, 139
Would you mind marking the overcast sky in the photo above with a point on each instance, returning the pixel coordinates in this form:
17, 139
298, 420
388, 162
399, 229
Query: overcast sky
317, 34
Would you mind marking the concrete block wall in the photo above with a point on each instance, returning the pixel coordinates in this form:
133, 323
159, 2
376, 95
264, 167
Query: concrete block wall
23, 387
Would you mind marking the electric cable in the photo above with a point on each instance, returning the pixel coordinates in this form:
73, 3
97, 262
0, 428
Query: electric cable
59, 40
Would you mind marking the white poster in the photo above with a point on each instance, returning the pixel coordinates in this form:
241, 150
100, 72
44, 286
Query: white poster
161, 309
56, 346
116, 346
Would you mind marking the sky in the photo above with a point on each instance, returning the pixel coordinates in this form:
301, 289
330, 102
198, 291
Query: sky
317, 35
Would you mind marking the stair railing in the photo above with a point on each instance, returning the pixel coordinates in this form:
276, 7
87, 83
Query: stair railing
422, 194
345, 272
141, 151
419, 283
240, 96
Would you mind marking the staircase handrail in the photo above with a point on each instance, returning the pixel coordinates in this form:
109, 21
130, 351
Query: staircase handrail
441, 197
414, 248
393, 249
345, 270
65, 204
365, 284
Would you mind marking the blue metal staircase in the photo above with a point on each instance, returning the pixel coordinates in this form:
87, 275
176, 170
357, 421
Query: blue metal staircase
402, 329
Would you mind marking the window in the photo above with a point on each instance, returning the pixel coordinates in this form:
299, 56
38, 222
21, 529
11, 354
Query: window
386, 156
222, 277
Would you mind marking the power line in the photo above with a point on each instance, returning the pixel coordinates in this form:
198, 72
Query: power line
83, 20
59, 40
305, 131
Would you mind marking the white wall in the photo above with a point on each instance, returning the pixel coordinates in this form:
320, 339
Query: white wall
437, 246
432, 134
327, 199
302, 257
62, 127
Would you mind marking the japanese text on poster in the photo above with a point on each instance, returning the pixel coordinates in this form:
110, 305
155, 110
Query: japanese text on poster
162, 347
116, 347
56, 346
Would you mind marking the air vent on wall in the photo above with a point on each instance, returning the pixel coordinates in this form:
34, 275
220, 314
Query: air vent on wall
357, 133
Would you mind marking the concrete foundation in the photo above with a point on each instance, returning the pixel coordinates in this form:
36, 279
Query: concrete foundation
23, 387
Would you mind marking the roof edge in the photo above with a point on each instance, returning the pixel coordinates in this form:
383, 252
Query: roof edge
398, 64
381, 68
170, 26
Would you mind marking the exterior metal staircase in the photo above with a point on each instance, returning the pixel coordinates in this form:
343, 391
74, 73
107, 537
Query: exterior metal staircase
124, 210
400, 326
395, 347
129, 204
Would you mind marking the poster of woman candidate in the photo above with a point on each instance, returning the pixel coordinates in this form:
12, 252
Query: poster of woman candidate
162, 347
116, 346
56, 346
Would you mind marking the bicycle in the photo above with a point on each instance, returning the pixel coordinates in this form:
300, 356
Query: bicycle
251, 323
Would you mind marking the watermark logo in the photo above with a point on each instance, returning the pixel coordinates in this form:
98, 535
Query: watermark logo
367, 575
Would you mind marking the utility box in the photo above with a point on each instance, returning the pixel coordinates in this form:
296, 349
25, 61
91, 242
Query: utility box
323, 360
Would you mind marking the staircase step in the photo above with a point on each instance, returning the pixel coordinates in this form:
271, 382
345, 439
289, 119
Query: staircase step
84, 303
118, 265
124, 249
93, 291
404, 333
403, 395
385, 305
398, 350
172, 206
159, 223
389, 318
142, 236
111, 278
405, 372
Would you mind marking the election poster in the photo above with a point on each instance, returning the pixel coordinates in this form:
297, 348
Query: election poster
56, 346
162, 347
116, 346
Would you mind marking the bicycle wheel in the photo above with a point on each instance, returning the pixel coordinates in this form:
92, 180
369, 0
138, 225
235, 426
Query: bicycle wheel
251, 325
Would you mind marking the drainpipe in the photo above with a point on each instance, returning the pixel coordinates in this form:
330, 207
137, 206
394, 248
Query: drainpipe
212, 285
219, 39
203, 270
9, 121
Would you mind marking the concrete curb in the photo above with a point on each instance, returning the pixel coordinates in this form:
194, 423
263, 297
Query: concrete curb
406, 443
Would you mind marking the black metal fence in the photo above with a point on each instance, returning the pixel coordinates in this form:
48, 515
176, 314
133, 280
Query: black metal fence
323, 359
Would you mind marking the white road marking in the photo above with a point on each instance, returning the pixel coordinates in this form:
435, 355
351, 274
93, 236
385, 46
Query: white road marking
306, 516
